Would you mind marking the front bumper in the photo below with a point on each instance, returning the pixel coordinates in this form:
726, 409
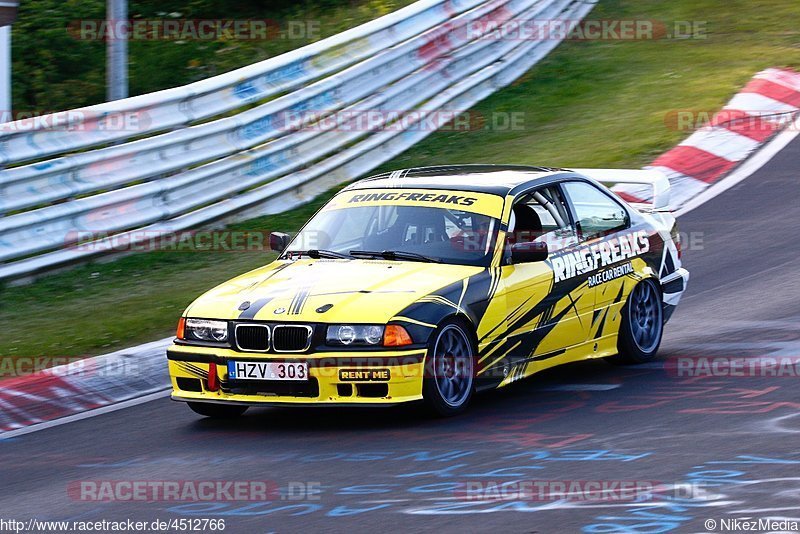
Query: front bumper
335, 378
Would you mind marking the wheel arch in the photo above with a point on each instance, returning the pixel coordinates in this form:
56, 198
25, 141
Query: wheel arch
462, 319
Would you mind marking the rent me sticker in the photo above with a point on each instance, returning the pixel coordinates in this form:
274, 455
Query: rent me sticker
364, 375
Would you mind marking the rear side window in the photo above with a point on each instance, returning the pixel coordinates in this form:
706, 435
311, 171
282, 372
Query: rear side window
542, 216
597, 213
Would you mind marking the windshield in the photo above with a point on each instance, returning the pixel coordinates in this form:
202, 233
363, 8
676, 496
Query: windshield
444, 227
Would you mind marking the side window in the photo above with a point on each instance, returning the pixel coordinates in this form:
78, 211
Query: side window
597, 213
543, 216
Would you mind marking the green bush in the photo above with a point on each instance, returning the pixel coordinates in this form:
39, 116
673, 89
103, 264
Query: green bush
54, 70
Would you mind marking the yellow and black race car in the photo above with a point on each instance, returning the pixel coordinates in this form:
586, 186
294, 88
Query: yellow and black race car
430, 284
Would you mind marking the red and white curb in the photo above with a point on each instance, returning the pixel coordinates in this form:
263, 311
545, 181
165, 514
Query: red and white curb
83, 389
699, 169
767, 104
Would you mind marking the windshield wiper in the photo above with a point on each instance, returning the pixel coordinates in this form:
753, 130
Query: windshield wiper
393, 255
318, 253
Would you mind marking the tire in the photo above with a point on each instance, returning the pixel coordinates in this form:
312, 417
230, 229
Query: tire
642, 325
449, 381
217, 411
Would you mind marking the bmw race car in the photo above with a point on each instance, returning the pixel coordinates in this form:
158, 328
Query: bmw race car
431, 284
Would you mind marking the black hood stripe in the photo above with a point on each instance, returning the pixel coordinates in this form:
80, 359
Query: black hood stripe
254, 308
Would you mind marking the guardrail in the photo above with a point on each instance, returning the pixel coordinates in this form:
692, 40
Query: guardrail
183, 105
275, 155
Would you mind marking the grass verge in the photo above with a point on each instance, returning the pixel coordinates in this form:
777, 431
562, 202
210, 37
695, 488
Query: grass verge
59, 53
590, 103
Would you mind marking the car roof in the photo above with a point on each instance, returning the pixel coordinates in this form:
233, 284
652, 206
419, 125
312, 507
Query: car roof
495, 179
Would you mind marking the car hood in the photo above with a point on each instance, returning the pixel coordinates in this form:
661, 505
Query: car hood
329, 291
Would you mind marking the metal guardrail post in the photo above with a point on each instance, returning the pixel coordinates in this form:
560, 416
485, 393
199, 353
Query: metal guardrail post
117, 51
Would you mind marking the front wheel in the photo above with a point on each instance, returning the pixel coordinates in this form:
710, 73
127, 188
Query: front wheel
642, 325
450, 371
217, 411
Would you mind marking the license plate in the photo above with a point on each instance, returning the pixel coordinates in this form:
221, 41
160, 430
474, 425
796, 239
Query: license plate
267, 371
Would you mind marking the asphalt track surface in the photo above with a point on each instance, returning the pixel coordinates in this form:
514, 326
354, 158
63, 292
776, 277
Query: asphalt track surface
720, 447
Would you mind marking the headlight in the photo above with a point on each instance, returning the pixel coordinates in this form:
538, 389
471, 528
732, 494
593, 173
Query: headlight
205, 330
354, 335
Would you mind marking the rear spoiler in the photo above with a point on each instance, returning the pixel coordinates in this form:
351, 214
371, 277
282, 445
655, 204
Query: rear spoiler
653, 186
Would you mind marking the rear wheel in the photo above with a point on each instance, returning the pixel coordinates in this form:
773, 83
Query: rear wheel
642, 325
217, 411
450, 371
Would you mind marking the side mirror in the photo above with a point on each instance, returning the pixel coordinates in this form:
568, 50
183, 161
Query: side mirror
528, 252
278, 241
